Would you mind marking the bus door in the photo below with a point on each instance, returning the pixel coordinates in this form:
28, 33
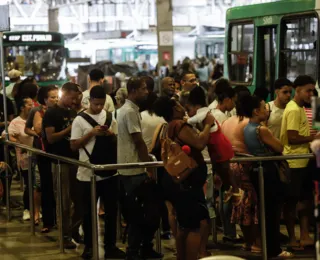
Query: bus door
267, 51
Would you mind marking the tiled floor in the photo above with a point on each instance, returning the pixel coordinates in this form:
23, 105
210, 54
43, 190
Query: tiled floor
16, 243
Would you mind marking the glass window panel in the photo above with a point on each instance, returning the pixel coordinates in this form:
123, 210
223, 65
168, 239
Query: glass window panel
241, 55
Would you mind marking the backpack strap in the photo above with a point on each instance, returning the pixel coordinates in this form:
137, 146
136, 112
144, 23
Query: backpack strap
93, 123
108, 119
89, 119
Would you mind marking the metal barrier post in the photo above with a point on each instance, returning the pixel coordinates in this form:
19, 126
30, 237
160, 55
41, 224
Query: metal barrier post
262, 213
60, 208
31, 199
158, 233
6, 158
95, 239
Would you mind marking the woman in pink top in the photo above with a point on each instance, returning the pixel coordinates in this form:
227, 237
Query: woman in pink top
17, 135
245, 214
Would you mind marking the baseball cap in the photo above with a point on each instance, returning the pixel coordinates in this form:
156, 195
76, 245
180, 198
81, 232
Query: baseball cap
13, 74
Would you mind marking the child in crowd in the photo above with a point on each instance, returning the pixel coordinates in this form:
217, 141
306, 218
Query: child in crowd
220, 148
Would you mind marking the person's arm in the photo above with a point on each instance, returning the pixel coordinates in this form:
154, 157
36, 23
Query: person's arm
141, 147
268, 139
30, 132
134, 128
293, 126
199, 141
37, 123
54, 137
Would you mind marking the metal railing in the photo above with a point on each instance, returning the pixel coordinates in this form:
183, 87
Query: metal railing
154, 164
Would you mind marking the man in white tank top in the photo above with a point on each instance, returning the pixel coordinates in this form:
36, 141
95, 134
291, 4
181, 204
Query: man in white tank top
283, 91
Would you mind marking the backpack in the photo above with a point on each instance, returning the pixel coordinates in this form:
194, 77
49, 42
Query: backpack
176, 162
105, 147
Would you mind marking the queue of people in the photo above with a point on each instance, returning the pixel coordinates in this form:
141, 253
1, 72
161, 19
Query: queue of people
215, 121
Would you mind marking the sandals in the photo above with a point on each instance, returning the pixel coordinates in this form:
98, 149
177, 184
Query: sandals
285, 255
45, 230
307, 243
36, 222
253, 249
295, 247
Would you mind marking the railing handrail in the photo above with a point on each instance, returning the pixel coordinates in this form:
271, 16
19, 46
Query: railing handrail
158, 164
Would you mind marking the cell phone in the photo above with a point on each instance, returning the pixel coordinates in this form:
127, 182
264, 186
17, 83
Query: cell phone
104, 127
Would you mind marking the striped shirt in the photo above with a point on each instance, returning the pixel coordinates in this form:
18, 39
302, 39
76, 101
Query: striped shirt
309, 116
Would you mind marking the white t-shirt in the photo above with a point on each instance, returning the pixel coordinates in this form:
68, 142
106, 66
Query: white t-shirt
149, 123
108, 106
80, 127
200, 116
214, 104
275, 120
219, 115
9, 89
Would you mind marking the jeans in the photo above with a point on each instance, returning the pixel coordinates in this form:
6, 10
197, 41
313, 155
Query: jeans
107, 190
139, 233
229, 229
71, 217
48, 203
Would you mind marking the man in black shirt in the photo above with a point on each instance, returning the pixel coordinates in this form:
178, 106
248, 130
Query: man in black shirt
57, 123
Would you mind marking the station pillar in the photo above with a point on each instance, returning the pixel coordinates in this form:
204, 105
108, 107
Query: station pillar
53, 20
164, 34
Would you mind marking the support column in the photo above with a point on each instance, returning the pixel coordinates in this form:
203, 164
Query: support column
165, 33
53, 20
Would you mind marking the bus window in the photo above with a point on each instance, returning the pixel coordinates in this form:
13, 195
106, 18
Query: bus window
240, 53
299, 47
102, 55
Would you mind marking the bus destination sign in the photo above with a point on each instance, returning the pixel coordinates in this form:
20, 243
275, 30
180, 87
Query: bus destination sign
30, 38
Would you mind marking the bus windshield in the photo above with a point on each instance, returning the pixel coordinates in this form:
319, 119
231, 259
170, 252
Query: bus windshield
299, 47
45, 63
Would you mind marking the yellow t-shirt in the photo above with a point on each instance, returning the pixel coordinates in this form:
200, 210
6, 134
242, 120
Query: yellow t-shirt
294, 118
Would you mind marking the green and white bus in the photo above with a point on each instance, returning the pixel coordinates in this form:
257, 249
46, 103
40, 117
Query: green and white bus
210, 46
267, 41
41, 55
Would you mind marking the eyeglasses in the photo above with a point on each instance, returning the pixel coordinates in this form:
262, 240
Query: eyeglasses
192, 80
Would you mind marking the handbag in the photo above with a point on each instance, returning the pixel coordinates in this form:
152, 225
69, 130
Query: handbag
282, 166
177, 163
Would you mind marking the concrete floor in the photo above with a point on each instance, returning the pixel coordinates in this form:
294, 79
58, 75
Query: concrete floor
16, 243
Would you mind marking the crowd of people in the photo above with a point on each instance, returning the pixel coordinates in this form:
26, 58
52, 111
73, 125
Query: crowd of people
215, 120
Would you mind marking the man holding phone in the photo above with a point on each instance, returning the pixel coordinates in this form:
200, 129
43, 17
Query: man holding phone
89, 126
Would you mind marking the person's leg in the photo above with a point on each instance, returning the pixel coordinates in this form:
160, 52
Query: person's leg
25, 176
290, 205
76, 208
181, 244
172, 218
87, 219
130, 183
229, 229
304, 216
47, 197
108, 191
192, 245
204, 234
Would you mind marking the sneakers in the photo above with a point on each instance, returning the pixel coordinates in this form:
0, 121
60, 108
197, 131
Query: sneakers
87, 253
26, 215
68, 244
150, 254
114, 253
78, 238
